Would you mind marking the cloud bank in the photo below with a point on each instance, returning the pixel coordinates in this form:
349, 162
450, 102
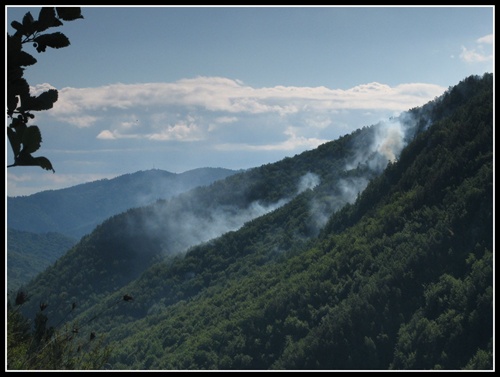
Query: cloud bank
203, 121
192, 109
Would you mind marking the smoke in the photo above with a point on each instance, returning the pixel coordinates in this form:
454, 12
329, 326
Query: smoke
156, 184
390, 140
351, 188
307, 182
192, 219
192, 229
186, 220
345, 190
377, 146
196, 229
372, 149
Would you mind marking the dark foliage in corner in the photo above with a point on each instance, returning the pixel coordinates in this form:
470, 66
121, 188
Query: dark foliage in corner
23, 138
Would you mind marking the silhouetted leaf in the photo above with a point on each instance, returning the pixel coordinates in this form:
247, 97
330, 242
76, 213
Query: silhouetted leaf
19, 101
32, 138
54, 40
44, 163
15, 143
18, 26
48, 97
28, 24
44, 101
69, 13
47, 18
26, 159
25, 59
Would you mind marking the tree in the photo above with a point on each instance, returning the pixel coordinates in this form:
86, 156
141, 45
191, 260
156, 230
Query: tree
23, 138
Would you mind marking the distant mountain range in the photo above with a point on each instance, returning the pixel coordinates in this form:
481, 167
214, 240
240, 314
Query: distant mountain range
77, 210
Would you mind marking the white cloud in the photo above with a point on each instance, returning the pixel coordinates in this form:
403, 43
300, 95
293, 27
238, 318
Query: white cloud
478, 54
293, 142
232, 124
221, 122
226, 119
106, 135
81, 121
217, 94
474, 56
228, 115
320, 121
487, 39
193, 109
178, 132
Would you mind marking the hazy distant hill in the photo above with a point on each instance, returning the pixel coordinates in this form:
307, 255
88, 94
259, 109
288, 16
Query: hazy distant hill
370, 252
77, 210
30, 253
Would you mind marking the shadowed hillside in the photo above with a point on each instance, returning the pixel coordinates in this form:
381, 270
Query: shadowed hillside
30, 253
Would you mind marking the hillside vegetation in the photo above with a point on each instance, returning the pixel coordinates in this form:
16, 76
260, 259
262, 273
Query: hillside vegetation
30, 253
360, 260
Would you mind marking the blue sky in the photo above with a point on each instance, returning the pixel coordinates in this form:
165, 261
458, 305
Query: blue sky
178, 88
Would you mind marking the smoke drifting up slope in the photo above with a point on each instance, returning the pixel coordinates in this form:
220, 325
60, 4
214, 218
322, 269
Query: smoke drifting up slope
224, 219
389, 139
194, 219
308, 182
369, 159
187, 221
191, 229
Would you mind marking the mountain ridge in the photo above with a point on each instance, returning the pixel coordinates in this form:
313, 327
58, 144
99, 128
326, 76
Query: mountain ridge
76, 210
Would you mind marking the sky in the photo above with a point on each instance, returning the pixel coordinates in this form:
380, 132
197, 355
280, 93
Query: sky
179, 88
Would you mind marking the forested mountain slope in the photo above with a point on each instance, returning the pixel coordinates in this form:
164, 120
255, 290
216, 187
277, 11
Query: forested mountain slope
30, 253
400, 277
77, 210
124, 246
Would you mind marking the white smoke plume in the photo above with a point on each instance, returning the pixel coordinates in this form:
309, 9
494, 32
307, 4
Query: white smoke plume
188, 225
389, 139
345, 191
194, 229
351, 188
307, 182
